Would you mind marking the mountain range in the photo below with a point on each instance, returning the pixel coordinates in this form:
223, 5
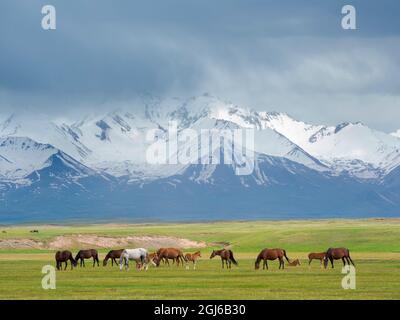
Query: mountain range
95, 168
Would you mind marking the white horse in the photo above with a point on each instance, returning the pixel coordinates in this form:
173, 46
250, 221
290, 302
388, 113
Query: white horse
140, 255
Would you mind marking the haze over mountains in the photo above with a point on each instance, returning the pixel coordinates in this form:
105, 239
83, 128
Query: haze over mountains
95, 167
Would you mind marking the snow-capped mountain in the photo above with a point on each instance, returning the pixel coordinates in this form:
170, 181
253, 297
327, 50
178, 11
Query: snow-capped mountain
98, 164
396, 133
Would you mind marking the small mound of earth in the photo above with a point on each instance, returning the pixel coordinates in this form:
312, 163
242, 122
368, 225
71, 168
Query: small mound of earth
220, 243
20, 244
94, 241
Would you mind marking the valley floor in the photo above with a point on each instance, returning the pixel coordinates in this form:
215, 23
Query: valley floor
374, 246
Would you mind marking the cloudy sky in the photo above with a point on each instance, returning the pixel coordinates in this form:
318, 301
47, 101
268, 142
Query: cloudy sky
290, 56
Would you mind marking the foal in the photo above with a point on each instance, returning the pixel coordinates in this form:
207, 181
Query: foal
316, 255
192, 257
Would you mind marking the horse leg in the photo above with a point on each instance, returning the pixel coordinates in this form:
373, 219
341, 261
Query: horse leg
66, 263
222, 260
264, 264
309, 261
351, 261
283, 264
331, 259
344, 262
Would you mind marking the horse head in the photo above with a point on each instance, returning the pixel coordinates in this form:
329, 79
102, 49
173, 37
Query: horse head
257, 265
74, 263
213, 254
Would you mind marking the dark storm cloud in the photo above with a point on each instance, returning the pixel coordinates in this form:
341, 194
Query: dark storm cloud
285, 55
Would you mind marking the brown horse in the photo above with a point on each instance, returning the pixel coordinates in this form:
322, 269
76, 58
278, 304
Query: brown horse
294, 263
316, 255
336, 254
87, 254
192, 257
164, 254
271, 254
226, 255
64, 256
113, 255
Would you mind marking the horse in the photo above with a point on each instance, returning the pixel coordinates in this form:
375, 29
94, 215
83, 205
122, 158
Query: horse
271, 254
192, 257
294, 263
226, 255
153, 257
87, 254
64, 256
336, 254
113, 255
164, 254
140, 255
316, 255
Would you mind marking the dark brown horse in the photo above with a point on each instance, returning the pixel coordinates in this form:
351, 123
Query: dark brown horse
113, 255
271, 254
336, 254
64, 256
316, 255
87, 254
226, 256
164, 254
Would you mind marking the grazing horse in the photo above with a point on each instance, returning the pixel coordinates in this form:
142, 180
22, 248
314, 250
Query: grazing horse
87, 254
192, 257
64, 256
113, 255
271, 254
139, 255
294, 263
164, 254
226, 255
316, 255
336, 254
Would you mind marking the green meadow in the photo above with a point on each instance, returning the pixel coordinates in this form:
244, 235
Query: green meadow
374, 246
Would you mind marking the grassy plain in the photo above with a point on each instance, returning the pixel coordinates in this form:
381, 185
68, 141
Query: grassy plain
374, 246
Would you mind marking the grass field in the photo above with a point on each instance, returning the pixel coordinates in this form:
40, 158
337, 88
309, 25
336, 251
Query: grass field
374, 246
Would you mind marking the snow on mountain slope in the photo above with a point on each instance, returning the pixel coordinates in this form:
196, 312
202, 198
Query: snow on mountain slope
21, 156
396, 133
116, 141
353, 141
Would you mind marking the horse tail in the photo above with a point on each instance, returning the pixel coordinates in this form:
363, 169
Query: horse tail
121, 258
284, 253
232, 258
77, 255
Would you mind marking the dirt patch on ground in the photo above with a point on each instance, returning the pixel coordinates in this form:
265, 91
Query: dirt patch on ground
20, 244
93, 241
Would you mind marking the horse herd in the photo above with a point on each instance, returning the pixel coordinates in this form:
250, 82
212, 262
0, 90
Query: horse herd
143, 258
